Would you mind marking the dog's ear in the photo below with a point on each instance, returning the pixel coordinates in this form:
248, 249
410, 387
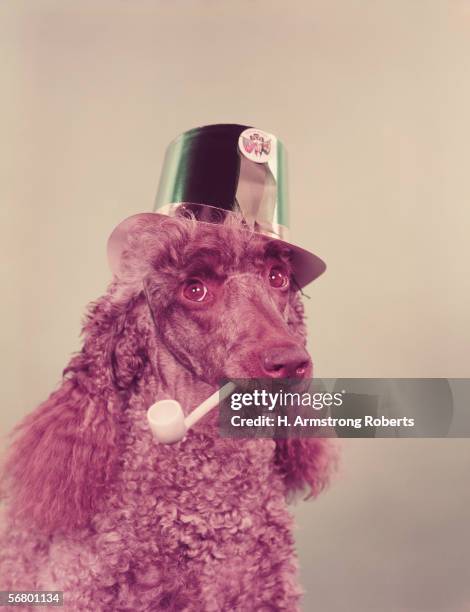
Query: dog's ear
306, 464
126, 346
65, 452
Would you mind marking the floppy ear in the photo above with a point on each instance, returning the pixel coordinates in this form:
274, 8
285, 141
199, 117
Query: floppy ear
306, 464
65, 452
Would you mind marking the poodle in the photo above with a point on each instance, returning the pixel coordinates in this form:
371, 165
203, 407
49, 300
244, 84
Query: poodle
96, 508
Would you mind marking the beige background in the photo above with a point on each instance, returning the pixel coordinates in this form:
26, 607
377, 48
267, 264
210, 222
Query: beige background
372, 99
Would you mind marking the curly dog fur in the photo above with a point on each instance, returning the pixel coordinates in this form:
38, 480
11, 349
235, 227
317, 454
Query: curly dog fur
97, 509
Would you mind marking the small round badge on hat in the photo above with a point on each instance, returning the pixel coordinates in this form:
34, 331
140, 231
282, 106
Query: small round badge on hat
256, 145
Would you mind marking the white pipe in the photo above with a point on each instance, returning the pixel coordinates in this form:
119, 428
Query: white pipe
166, 417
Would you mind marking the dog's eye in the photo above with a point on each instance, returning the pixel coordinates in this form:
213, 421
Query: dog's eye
278, 277
194, 290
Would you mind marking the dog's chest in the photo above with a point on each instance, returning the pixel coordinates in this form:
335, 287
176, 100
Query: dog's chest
201, 495
205, 510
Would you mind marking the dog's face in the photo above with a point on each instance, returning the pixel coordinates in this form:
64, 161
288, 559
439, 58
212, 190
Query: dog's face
224, 302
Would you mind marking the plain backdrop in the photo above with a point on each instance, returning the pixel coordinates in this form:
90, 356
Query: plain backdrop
372, 100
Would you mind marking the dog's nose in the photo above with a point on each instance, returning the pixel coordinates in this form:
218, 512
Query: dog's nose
288, 361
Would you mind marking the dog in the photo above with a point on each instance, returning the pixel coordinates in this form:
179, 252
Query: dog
96, 508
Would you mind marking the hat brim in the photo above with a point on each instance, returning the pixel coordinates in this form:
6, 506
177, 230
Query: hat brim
306, 265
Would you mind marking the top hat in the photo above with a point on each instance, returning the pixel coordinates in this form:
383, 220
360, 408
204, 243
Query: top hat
218, 170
